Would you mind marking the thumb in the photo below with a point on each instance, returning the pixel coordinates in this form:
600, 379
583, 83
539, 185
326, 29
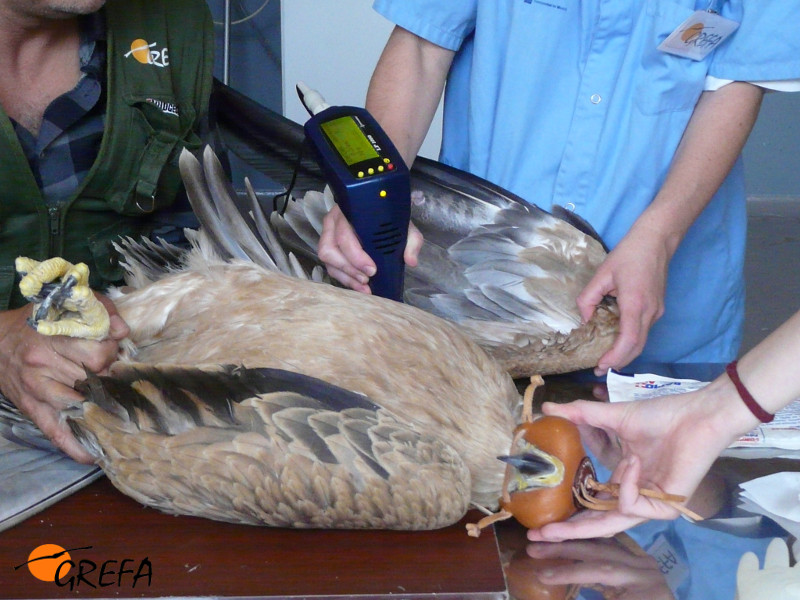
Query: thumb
413, 245
117, 327
592, 295
585, 412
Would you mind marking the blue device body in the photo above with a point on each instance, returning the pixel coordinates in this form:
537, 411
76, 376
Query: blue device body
371, 185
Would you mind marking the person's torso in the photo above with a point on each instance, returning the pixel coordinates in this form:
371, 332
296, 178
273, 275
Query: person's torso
158, 83
570, 102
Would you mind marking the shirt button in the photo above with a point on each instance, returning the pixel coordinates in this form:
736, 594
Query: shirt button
595, 99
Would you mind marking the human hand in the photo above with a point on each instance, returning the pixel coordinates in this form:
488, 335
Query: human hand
345, 259
635, 272
604, 565
37, 372
665, 444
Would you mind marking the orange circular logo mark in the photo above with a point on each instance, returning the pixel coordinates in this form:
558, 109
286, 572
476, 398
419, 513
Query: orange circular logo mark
44, 560
141, 51
692, 32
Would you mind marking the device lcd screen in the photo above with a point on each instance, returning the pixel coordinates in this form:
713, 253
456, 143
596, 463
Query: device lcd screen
349, 141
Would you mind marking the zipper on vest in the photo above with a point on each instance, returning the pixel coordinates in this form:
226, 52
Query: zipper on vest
54, 218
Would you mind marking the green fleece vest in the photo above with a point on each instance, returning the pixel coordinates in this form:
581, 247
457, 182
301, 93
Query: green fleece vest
160, 60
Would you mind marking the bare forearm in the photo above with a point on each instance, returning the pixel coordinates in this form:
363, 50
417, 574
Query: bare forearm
11, 321
770, 370
406, 87
714, 138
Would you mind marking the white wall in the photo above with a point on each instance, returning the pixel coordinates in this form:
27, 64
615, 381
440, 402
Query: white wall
333, 45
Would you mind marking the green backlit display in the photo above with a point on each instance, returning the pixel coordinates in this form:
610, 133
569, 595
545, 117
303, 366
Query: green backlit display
349, 141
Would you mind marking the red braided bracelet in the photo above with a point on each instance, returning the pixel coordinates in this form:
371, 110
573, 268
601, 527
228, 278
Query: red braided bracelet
746, 397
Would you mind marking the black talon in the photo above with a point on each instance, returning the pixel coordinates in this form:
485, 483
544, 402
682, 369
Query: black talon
54, 295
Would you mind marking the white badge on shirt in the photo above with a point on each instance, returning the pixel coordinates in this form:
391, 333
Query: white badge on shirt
698, 35
671, 563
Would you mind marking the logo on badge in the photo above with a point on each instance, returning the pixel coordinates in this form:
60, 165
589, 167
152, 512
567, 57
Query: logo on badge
698, 35
149, 54
692, 32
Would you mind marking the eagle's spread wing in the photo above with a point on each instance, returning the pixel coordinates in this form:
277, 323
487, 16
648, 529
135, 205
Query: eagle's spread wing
507, 272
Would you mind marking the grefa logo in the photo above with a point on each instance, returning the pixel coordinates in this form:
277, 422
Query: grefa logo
148, 54
52, 563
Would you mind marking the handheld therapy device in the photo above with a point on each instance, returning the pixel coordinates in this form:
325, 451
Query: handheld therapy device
369, 180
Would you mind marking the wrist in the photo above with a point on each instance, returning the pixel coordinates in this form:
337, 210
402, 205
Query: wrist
758, 411
11, 322
728, 414
6, 326
653, 235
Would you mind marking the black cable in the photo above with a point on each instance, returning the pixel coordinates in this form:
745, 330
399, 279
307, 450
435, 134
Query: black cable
287, 193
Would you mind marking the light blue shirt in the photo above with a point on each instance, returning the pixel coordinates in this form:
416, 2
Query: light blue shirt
569, 102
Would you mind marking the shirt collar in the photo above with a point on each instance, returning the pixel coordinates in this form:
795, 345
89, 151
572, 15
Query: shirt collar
90, 53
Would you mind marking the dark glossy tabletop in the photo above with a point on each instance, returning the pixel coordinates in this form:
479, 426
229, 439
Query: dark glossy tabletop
190, 557
194, 557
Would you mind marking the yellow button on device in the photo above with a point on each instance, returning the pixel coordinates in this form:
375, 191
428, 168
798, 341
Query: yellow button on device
361, 173
371, 171
382, 193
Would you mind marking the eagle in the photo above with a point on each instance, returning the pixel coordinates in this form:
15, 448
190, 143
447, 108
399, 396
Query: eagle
253, 391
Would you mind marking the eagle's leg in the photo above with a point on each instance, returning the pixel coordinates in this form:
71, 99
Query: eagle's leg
64, 304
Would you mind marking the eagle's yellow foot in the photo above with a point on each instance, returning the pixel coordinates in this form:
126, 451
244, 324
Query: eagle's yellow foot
64, 304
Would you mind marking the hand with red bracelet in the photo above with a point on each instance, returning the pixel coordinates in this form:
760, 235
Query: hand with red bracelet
669, 443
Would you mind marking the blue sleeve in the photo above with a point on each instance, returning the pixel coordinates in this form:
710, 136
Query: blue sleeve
445, 23
766, 47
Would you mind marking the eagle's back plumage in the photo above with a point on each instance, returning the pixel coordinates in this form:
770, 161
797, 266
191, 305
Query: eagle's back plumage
417, 366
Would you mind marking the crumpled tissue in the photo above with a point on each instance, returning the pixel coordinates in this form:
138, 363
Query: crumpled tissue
776, 496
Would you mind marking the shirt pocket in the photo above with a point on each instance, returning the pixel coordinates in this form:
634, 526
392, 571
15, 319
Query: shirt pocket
159, 129
668, 83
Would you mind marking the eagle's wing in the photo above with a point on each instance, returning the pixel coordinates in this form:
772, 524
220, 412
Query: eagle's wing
265, 446
502, 268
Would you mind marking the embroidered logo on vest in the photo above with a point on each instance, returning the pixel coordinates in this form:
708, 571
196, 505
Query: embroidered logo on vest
148, 54
168, 108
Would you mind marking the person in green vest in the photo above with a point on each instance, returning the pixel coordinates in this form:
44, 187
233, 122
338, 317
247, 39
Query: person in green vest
96, 102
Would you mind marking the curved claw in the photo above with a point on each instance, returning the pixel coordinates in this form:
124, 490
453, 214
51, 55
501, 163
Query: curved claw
55, 294
63, 302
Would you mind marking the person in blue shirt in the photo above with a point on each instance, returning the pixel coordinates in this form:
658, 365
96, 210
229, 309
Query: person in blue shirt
573, 103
